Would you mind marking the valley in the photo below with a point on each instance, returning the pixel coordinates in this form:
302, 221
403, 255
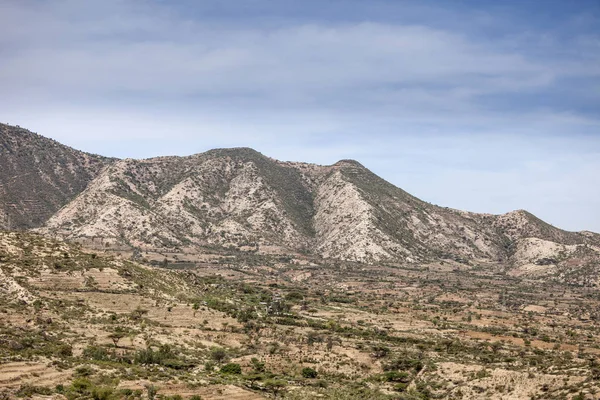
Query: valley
78, 322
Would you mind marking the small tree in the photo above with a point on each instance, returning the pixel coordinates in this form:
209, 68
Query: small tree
257, 365
116, 336
253, 377
138, 313
274, 386
152, 390
218, 354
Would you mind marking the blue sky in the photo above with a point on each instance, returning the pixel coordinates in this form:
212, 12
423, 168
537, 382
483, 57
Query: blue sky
477, 105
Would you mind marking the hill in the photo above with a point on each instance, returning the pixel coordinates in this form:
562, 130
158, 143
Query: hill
39, 175
240, 199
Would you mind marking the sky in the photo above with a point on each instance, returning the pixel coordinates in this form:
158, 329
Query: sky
476, 105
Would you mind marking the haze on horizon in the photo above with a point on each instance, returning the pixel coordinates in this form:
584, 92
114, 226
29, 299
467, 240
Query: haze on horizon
471, 105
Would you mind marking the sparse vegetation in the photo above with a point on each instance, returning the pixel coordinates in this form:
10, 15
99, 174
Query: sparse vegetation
257, 313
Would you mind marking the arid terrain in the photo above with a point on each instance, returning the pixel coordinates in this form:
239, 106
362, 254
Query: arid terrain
230, 275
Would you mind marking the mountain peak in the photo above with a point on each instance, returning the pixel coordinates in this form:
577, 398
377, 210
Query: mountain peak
348, 163
233, 152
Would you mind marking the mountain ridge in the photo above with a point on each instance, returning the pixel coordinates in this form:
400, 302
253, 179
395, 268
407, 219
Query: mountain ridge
39, 175
238, 198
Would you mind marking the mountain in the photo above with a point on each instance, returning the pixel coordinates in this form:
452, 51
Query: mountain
231, 275
38, 176
241, 199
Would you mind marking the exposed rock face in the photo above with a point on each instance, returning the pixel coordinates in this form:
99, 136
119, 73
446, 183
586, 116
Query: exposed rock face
522, 224
38, 176
222, 197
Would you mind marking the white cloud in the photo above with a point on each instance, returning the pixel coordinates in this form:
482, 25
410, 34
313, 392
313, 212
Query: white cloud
419, 103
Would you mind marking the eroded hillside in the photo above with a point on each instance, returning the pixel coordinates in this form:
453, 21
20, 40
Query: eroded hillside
240, 199
38, 176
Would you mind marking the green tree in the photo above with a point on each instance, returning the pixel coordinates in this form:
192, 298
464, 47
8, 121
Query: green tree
275, 386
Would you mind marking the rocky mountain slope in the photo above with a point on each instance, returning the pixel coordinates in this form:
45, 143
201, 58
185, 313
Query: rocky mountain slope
239, 198
38, 176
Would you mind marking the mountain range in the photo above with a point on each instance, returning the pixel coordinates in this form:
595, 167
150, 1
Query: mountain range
240, 199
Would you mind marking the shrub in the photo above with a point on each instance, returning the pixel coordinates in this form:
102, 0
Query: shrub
146, 356
231, 368
152, 390
96, 353
218, 354
81, 385
395, 376
209, 366
274, 385
404, 364
380, 351
400, 387
83, 371
309, 373
28, 390
64, 350
257, 365
294, 296
102, 393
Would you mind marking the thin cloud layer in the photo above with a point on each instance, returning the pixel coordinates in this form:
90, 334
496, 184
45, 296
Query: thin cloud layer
387, 84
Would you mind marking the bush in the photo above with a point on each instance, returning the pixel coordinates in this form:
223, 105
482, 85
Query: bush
274, 385
231, 368
83, 371
400, 387
395, 376
218, 354
294, 296
258, 365
309, 373
96, 353
28, 390
102, 393
209, 366
404, 364
149, 356
380, 351
81, 385
64, 350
